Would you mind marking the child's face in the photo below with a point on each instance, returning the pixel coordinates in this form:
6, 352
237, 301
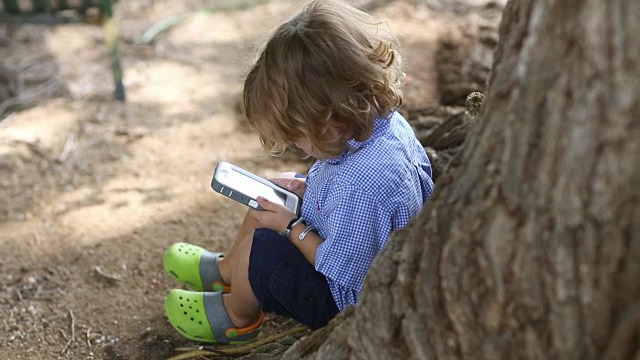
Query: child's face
306, 146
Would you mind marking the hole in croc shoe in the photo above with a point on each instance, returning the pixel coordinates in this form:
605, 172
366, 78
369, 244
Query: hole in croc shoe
181, 305
192, 319
185, 313
180, 297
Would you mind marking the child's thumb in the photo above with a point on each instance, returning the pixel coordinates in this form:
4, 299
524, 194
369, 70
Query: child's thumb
263, 202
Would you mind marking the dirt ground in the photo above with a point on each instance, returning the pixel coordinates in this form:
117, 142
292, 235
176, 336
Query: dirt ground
93, 190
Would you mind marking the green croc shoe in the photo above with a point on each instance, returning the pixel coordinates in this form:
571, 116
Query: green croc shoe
201, 316
195, 267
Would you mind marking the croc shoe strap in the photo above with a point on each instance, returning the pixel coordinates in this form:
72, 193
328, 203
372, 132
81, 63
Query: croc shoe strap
221, 325
210, 272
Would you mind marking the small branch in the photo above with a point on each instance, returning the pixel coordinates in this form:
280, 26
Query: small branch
207, 350
165, 24
69, 145
269, 339
283, 325
18, 294
27, 99
88, 335
110, 278
72, 339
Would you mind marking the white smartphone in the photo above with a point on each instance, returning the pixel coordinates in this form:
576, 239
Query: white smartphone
244, 187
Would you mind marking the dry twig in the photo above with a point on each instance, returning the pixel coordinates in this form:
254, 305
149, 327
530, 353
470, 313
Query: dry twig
88, 335
108, 277
209, 351
69, 145
27, 99
72, 339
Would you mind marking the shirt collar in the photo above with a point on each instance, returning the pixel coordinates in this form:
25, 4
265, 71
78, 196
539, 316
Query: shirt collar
353, 146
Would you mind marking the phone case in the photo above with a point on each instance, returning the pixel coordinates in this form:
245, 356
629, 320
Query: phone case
240, 196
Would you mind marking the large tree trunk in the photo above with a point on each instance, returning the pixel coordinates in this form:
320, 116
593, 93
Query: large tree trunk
530, 247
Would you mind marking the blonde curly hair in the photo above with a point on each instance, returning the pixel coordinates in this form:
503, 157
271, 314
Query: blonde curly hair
331, 69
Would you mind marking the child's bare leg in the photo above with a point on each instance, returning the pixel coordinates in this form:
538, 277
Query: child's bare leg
241, 304
227, 264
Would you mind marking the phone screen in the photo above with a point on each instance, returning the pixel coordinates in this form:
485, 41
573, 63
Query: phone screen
253, 188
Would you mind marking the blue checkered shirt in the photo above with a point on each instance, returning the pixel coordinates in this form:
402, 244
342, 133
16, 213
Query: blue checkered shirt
359, 198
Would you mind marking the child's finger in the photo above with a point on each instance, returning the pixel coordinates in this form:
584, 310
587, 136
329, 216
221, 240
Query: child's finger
288, 174
264, 203
281, 181
295, 185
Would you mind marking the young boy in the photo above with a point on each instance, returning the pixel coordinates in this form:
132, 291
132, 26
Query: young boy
328, 82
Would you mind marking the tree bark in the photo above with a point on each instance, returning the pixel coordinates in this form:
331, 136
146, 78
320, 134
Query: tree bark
530, 247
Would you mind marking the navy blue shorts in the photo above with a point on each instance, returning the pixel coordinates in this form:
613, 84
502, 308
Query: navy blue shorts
286, 283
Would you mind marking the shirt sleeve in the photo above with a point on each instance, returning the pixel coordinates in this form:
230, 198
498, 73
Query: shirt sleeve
359, 225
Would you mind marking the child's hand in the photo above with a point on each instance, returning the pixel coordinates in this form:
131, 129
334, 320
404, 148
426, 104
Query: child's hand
287, 174
274, 216
296, 185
